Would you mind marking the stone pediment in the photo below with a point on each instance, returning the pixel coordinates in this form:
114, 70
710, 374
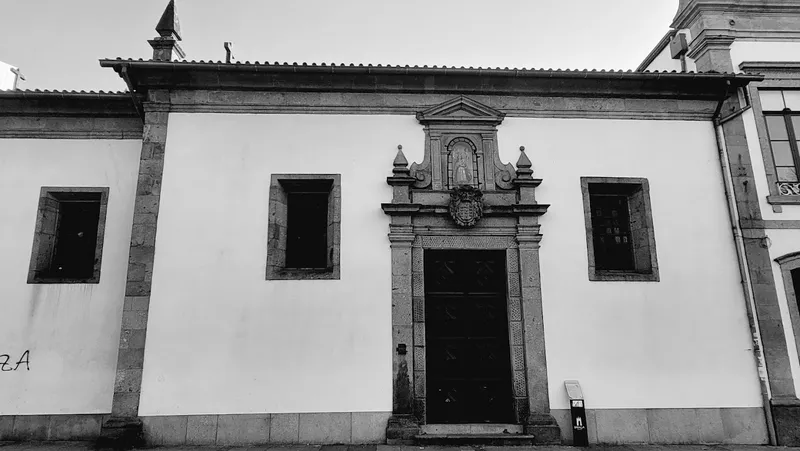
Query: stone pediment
461, 109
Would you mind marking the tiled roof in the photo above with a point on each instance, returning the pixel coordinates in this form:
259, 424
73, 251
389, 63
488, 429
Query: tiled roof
522, 70
63, 92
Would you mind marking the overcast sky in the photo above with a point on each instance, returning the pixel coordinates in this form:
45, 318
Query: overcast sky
57, 43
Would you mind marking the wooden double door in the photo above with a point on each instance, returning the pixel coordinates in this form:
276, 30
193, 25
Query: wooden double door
468, 367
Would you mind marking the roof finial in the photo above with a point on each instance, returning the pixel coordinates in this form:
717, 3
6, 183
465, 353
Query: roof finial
169, 29
400, 162
524, 164
169, 25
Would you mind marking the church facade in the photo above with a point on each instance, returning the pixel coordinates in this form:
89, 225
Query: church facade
237, 253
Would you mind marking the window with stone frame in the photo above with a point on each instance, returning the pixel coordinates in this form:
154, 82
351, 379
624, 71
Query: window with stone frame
619, 229
304, 227
781, 109
790, 273
68, 239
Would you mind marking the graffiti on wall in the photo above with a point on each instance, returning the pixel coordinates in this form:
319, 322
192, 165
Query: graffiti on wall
7, 363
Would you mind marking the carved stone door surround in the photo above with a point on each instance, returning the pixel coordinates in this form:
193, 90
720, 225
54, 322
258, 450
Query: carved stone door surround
420, 220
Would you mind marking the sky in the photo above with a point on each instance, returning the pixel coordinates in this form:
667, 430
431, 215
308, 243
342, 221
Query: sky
57, 43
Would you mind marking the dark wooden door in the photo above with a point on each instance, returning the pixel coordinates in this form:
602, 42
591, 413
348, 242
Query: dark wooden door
468, 363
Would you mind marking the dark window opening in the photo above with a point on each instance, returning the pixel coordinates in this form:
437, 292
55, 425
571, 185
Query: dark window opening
796, 285
68, 238
619, 229
611, 230
304, 227
307, 230
76, 239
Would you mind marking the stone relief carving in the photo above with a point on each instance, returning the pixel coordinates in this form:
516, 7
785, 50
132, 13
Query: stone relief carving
461, 148
462, 163
466, 205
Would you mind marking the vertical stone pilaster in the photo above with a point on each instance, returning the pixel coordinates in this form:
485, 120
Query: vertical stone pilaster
533, 330
438, 167
402, 426
133, 334
402, 326
486, 147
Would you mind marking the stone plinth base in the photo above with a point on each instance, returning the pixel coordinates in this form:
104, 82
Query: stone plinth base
121, 433
401, 430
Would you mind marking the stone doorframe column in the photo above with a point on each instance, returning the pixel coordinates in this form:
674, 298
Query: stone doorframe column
510, 224
526, 335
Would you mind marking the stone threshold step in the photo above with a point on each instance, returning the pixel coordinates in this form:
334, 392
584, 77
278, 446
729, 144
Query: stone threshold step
475, 439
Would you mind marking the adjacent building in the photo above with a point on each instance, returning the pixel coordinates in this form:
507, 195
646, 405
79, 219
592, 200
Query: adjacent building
274, 253
757, 128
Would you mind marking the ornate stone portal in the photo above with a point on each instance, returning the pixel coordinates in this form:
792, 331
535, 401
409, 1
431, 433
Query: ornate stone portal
463, 197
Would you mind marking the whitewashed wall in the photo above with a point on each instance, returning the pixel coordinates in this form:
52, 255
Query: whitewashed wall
221, 338
71, 330
680, 342
757, 50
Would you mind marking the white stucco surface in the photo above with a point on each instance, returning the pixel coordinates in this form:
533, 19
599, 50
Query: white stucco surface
680, 342
750, 50
222, 339
71, 330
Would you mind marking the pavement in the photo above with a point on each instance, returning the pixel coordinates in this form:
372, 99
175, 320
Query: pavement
85, 446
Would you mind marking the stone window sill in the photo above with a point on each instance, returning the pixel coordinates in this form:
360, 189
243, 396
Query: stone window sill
784, 200
304, 274
622, 276
55, 280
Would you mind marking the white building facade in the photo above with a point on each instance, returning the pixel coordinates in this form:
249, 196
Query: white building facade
266, 253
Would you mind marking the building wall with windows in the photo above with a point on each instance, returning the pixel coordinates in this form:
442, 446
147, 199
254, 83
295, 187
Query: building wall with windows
762, 39
611, 234
278, 346
69, 332
625, 338
251, 345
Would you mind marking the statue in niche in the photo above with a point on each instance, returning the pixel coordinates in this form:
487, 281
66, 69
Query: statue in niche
462, 164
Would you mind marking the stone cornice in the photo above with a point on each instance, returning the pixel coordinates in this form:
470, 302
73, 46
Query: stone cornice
594, 107
707, 40
769, 66
147, 75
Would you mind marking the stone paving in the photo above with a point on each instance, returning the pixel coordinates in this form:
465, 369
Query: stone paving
85, 446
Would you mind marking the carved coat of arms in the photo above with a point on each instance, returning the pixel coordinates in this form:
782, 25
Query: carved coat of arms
466, 205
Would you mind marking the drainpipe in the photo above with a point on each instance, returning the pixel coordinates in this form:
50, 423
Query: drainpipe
744, 267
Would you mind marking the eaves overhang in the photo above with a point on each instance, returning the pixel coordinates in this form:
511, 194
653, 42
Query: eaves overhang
66, 104
146, 75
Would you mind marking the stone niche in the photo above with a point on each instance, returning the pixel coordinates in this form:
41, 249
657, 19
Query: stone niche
461, 196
